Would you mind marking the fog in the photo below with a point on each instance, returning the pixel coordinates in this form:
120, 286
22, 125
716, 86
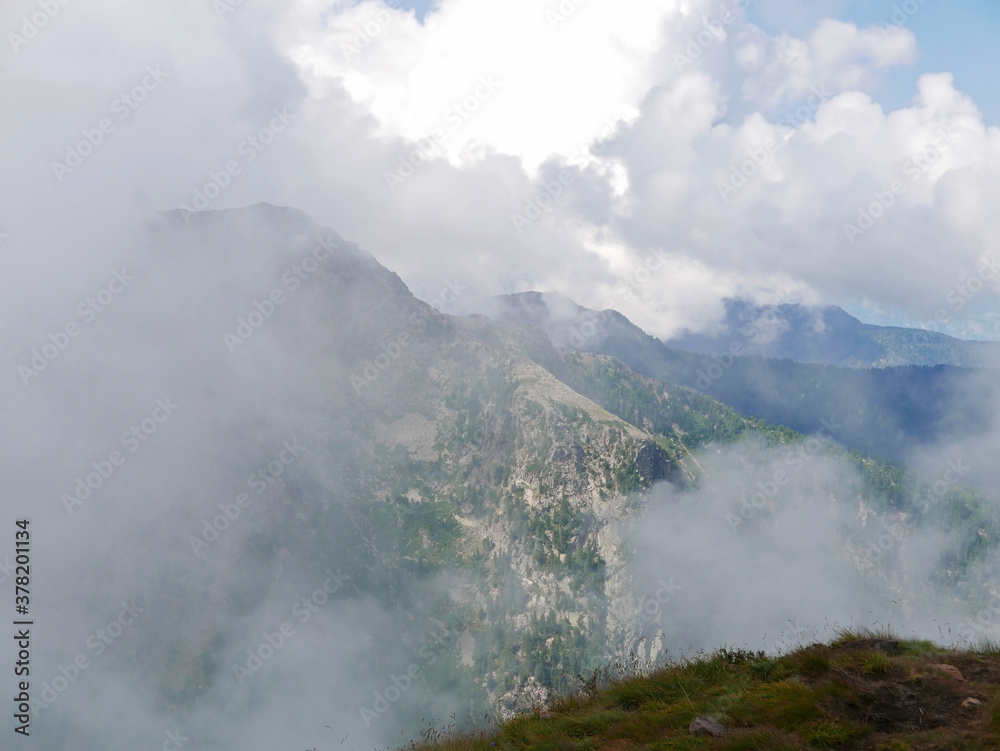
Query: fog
212, 368
209, 491
194, 456
778, 548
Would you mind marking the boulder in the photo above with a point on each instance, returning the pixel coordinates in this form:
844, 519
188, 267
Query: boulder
706, 726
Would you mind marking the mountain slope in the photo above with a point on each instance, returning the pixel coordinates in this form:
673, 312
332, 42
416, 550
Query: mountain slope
886, 412
330, 425
374, 487
830, 336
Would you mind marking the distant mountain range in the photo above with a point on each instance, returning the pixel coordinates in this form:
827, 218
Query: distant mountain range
831, 336
886, 412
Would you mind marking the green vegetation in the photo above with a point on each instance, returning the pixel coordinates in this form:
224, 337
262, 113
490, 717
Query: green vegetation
421, 534
663, 408
860, 692
518, 459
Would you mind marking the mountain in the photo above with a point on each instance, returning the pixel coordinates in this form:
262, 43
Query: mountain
888, 412
830, 336
372, 512
436, 483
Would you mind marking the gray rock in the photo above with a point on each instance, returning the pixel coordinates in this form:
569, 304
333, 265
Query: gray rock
706, 726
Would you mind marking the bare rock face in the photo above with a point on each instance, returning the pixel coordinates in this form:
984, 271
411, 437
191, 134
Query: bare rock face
706, 726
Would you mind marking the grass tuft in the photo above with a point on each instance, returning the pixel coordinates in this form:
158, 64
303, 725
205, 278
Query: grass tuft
834, 735
863, 633
876, 663
988, 646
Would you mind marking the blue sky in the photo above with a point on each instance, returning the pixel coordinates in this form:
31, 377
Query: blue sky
958, 37
421, 6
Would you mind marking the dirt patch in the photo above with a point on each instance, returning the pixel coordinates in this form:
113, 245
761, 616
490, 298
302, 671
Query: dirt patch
911, 695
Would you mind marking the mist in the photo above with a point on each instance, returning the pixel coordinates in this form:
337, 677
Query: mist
184, 455
316, 445
781, 547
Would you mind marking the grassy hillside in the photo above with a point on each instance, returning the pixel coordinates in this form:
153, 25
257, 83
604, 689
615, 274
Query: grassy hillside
867, 691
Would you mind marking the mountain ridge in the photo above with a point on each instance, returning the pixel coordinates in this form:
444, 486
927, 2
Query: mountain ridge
473, 472
885, 411
828, 335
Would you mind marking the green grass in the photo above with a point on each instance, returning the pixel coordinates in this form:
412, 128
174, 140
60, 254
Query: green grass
818, 697
863, 633
876, 663
988, 646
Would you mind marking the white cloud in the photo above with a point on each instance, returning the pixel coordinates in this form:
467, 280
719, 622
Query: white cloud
836, 55
560, 76
605, 76
679, 130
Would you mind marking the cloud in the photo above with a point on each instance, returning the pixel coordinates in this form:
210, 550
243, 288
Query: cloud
587, 96
555, 77
778, 547
425, 141
835, 54
651, 111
